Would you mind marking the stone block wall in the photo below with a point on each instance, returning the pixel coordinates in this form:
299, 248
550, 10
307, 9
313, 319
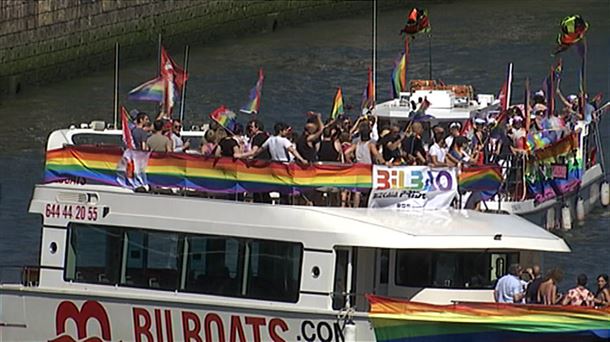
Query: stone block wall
42, 41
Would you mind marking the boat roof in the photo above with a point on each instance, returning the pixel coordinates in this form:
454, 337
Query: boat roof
317, 227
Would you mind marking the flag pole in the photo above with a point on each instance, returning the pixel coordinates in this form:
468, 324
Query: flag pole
374, 49
116, 85
183, 95
159, 42
509, 84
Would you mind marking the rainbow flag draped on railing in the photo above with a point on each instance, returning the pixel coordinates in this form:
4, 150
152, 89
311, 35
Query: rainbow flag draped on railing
397, 320
109, 165
556, 169
480, 178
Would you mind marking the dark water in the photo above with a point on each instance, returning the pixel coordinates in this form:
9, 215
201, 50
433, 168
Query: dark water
472, 43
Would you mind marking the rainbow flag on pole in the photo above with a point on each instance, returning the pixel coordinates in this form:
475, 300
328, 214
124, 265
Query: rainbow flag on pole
399, 74
254, 102
337, 105
398, 320
152, 90
224, 117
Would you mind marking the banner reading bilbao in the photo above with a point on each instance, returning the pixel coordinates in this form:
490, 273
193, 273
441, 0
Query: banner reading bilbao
407, 187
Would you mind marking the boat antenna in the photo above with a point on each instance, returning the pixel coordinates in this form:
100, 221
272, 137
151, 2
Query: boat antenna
116, 84
183, 95
374, 48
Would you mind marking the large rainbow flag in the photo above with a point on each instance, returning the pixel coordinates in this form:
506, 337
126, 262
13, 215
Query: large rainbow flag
480, 178
153, 90
103, 165
397, 320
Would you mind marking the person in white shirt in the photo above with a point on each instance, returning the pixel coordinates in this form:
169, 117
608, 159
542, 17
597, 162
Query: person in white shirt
509, 288
279, 146
454, 131
438, 150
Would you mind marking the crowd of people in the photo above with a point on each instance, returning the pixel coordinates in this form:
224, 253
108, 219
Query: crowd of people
529, 286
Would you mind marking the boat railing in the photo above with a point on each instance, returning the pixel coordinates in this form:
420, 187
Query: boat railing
27, 275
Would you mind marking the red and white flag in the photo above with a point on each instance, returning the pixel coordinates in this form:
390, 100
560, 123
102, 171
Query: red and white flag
506, 89
127, 138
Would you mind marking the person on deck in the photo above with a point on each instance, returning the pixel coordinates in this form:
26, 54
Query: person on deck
159, 142
457, 156
438, 151
579, 295
509, 288
602, 296
179, 145
258, 136
208, 148
230, 146
364, 151
454, 131
306, 143
279, 146
413, 146
329, 147
531, 294
139, 133
547, 292
389, 142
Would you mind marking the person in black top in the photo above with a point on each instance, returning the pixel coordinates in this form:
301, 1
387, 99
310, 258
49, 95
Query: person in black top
329, 148
307, 141
413, 146
258, 136
229, 146
390, 144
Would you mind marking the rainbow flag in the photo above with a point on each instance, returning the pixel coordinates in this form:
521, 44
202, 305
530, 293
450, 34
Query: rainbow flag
398, 320
480, 178
153, 90
224, 117
337, 105
399, 74
368, 95
110, 166
254, 102
573, 29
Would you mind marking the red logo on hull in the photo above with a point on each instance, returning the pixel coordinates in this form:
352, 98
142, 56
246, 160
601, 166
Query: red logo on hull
91, 310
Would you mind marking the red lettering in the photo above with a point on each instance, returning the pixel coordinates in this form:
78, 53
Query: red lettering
383, 180
141, 328
169, 332
207, 326
191, 334
158, 325
236, 329
276, 322
256, 323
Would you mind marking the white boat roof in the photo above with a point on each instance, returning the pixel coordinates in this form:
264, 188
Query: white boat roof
316, 227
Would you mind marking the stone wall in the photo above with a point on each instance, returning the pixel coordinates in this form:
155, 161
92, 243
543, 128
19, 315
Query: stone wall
48, 40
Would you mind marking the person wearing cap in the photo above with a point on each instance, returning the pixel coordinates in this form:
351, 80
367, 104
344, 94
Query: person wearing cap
518, 134
454, 131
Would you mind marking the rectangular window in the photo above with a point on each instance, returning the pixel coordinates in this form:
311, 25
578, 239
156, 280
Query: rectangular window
152, 260
214, 265
94, 254
448, 269
273, 271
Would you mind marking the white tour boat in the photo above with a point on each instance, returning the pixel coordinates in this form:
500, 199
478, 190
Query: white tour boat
116, 264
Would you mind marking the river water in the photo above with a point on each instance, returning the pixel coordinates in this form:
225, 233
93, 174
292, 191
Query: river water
472, 42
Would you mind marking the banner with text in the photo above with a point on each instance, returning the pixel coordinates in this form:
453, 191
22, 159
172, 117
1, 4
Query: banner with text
412, 187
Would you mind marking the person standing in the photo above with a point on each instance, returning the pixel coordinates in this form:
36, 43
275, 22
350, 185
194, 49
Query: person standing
159, 142
179, 145
509, 288
547, 292
279, 146
579, 295
139, 133
531, 295
258, 136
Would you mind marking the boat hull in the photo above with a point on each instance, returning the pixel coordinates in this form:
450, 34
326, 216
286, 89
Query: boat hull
538, 214
30, 314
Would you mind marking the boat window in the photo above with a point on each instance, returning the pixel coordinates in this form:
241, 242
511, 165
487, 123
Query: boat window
340, 287
214, 265
97, 139
227, 266
152, 260
94, 255
450, 269
273, 270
